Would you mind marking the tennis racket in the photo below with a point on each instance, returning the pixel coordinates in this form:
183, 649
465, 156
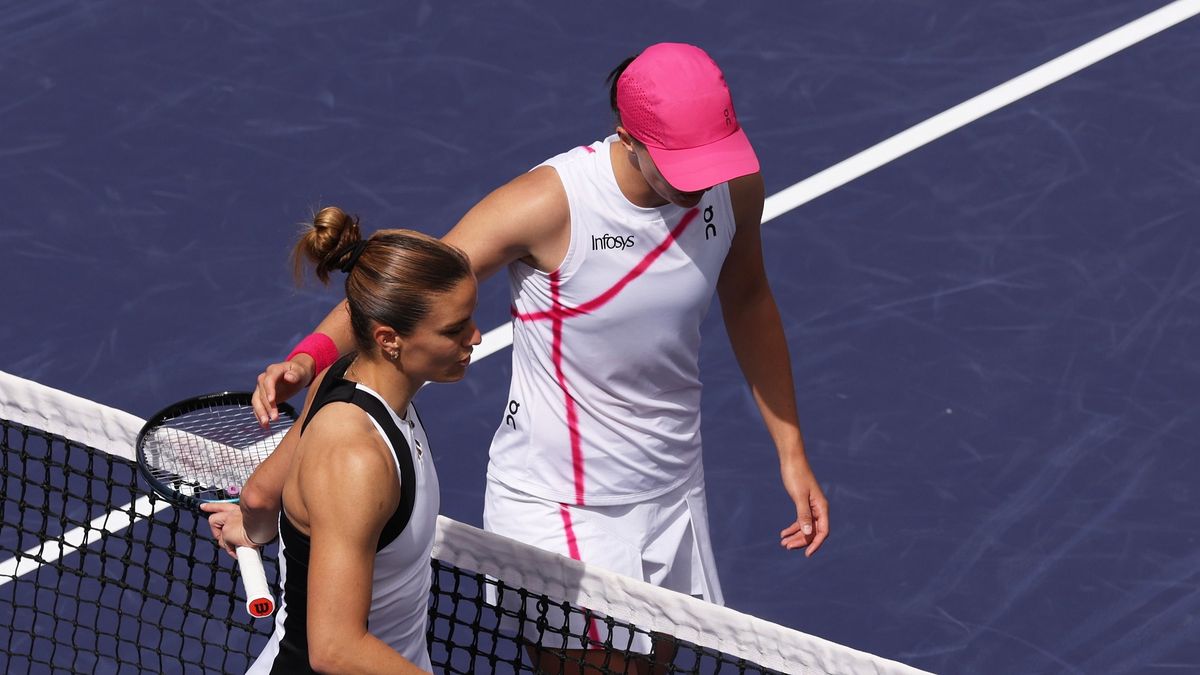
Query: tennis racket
202, 450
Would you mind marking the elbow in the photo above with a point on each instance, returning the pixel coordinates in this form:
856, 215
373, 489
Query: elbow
321, 661
323, 657
747, 301
254, 498
332, 646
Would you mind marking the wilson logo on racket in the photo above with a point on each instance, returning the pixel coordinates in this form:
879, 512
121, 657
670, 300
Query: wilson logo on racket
261, 608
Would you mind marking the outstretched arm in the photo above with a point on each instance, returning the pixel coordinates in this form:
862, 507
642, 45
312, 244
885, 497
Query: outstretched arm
756, 335
526, 219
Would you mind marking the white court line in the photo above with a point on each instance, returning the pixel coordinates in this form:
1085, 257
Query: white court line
941, 124
51, 550
830, 179
493, 341
968, 111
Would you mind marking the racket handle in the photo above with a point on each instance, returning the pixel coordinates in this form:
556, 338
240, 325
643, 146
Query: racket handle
259, 601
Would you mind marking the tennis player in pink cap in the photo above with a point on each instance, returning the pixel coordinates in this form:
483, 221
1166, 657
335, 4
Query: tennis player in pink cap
613, 253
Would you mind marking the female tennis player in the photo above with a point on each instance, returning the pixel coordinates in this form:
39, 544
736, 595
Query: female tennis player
614, 251
352, 489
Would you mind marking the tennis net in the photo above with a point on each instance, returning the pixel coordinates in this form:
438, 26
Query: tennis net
99, 575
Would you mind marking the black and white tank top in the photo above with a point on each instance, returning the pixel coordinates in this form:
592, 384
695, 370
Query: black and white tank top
400, 589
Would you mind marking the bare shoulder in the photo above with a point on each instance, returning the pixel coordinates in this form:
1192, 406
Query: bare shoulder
747, 187
743, 274
515, 221
747, 195
539, 191
342, 451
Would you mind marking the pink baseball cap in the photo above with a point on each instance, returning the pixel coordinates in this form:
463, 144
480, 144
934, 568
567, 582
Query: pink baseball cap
673, 98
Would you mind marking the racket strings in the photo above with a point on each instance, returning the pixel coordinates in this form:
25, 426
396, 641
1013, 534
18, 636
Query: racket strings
209, 453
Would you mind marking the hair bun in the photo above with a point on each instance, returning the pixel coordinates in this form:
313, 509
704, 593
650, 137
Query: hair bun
328, 242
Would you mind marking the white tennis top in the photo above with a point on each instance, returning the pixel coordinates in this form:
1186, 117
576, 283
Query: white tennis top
604, 406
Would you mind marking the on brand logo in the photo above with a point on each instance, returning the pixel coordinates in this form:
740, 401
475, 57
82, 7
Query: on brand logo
513, 407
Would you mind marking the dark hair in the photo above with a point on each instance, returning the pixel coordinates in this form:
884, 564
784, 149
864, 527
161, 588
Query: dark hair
395, 276
612, 85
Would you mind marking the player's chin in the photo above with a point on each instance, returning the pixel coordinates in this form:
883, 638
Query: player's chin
456, 372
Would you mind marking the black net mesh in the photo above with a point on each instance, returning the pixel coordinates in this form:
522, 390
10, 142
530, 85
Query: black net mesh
158, 596
151, 597
472, 630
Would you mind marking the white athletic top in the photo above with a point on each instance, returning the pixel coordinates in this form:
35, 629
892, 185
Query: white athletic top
402, 577
604, 406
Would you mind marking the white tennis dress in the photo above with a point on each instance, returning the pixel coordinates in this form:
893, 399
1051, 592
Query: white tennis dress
598, 454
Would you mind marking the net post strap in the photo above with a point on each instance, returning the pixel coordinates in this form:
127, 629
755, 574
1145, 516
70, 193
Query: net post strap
650, 607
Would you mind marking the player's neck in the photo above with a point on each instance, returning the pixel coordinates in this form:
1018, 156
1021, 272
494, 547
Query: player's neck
630, 180
396, 388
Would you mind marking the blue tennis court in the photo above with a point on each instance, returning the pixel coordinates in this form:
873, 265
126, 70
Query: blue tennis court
994, 336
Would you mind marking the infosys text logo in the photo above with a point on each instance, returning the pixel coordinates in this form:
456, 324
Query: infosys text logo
608, 242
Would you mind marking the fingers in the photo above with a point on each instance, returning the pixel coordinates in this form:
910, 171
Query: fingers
803, 527
229, 549
279, 382
820, 513
215, 526
794, 536
263, 399
219, 515
262, 409
811, 526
